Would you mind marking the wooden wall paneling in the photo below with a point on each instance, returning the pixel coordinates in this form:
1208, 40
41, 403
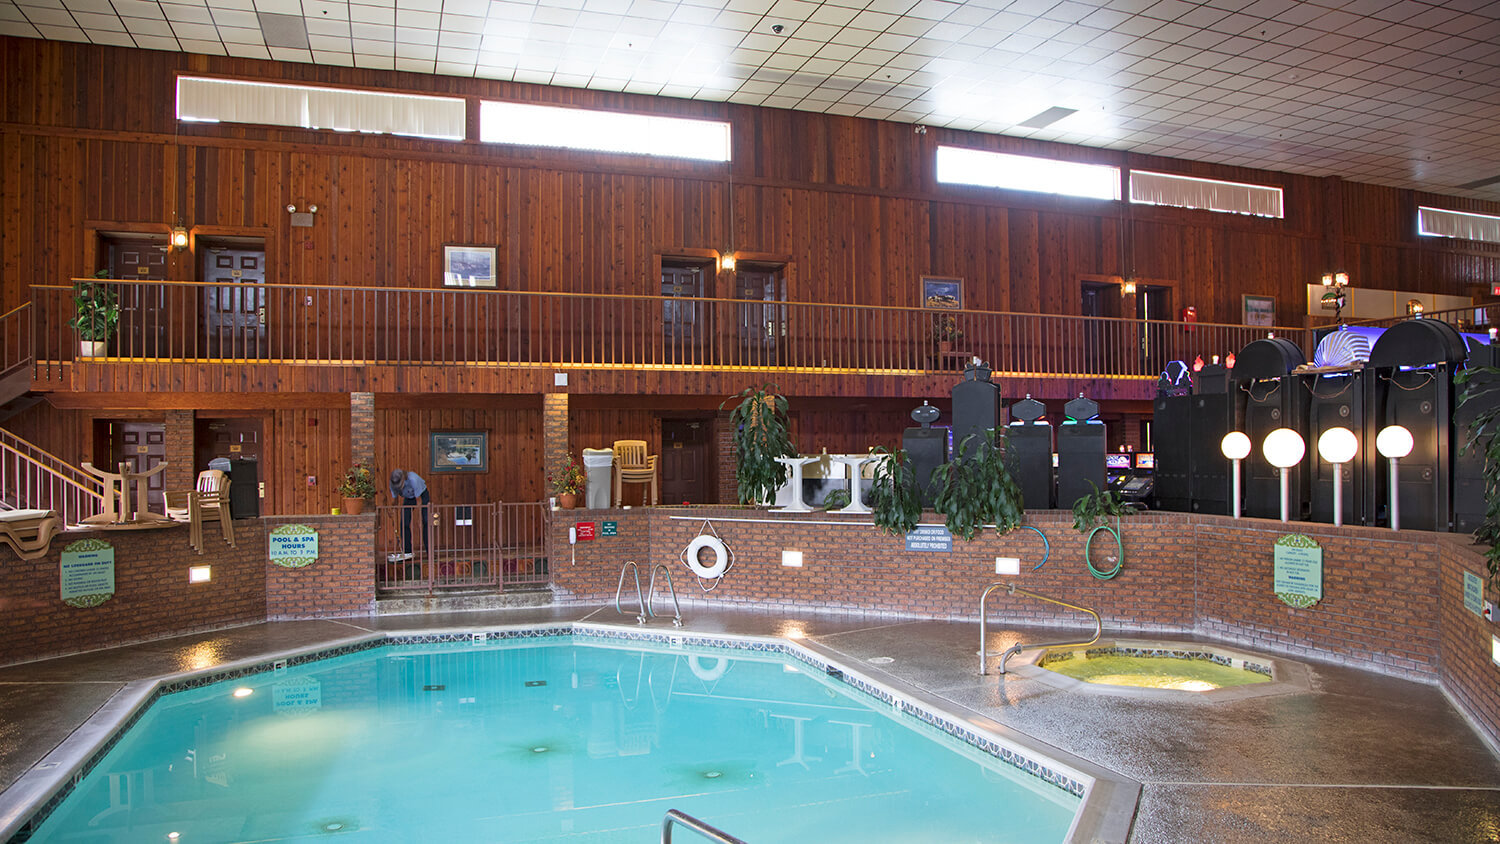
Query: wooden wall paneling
307, 442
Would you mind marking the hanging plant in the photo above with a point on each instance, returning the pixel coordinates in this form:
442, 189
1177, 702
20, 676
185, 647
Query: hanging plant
1482, 384
895, 503
978, 489
760, 436
1095, 508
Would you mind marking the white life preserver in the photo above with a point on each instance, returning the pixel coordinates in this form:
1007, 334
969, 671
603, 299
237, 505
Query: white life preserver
721, 556
708, 675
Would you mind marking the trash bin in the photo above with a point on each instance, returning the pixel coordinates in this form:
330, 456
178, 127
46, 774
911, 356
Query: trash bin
597, 463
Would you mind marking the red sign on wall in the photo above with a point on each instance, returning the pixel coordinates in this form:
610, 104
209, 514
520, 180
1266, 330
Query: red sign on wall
585, 531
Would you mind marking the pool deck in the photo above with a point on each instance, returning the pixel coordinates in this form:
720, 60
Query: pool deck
1359, 757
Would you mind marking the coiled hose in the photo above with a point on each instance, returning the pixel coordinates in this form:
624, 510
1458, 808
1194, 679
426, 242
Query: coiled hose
1119, 551
1046, 546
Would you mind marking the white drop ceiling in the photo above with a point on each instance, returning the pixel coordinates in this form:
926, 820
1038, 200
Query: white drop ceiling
1393, 92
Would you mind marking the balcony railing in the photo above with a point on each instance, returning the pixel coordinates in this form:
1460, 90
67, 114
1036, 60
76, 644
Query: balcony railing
301, 324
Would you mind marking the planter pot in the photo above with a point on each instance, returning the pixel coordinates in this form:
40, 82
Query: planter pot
945, 346
567, 500
354, 506
92, 348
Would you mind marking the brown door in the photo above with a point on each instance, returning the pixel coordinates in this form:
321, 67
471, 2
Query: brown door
234, 312
1154, 304
143, 446
143, 330
683, 323
762, 326
235, 439
1103, 341
684, 461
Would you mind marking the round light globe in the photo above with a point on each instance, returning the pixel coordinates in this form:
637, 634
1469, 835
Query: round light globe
1337, 445
1393, 441
1284, 448
1235, 446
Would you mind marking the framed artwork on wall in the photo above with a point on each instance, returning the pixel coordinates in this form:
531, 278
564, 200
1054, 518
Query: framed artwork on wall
942, 292
460, 451
468, 266
1259, 310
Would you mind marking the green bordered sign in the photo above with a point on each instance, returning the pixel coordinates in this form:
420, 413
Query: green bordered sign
609, 529
1298, 580
293, 546
87, 573
1473, 593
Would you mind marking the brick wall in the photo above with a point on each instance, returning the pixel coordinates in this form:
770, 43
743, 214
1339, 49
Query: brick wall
153, 598
177, 429
554, 433
340, 583
362, 428
1392, 602
728, 462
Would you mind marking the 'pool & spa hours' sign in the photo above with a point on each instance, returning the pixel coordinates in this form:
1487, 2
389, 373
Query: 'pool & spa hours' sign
293, 546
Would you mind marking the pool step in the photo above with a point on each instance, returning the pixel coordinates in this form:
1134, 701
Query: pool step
462, 601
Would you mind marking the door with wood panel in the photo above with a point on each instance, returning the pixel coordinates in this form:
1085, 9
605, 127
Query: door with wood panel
234, 309
143, 315
239, 440
1102, 341
761, 321
684, 461
684, 325
143, 447
1154, 308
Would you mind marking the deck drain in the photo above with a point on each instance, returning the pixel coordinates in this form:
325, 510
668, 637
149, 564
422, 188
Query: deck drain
880, 660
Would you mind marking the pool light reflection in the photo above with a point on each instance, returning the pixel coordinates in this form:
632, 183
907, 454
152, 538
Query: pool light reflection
243, 692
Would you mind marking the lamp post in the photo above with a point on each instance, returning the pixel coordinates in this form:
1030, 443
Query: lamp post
1394, 442
1284, 448
1236, 447
1337, 446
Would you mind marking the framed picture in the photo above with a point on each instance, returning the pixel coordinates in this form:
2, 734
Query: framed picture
468, 266
1259, 310
942, 292
465, 451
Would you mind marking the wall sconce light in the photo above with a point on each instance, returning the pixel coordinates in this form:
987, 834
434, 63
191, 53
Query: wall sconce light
726, 262
1127, 288
179, 237
1236, 447
1337, 446
302, 219
1284, 448
1394, 442
1414, 308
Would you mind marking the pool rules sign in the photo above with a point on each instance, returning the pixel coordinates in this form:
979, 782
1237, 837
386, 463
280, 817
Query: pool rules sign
1298, 572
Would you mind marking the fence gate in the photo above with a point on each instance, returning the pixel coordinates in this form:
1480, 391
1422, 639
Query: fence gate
500, 546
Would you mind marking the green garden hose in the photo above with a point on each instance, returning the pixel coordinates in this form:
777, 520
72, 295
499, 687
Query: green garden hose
1119, 551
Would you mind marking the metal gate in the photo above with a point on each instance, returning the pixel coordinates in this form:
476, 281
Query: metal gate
500, 546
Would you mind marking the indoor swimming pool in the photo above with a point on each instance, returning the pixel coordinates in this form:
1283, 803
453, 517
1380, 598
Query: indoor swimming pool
562, 738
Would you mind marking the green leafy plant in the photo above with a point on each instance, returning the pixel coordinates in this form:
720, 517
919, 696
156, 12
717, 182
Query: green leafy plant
895, 501
837, 498
760, 436
568, 478
358, 482
1482, 384
945, 329
1096, 507
96, 311
978, 489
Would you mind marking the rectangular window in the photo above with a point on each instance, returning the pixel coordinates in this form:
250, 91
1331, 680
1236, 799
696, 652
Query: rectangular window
1208, 194
603, 131
959, 166
308, 107
1435, 222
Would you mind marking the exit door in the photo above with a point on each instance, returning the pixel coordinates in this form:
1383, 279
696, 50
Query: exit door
762, 325
1154, 308
143, 447
143, 314
234, 311
683, 322
684, 461
1103, 340
240, 441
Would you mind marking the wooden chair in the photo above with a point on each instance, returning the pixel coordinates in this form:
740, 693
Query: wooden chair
209, 500
633, 466
29, 532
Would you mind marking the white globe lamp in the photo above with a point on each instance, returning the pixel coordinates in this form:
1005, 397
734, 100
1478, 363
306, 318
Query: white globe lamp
1337, 446
1284, 449
1236, 447
1394, 442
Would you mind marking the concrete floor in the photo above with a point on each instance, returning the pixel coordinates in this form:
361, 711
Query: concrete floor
1357, 757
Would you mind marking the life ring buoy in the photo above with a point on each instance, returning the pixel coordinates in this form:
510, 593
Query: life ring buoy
721, 556
708, 675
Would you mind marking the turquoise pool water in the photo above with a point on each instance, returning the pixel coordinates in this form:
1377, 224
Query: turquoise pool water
547, 740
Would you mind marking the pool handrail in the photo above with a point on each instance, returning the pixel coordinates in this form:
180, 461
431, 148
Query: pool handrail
640, 595
671, 590
1013, 589
712, 833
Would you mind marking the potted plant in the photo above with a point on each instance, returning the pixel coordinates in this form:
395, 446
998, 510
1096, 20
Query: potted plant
976, 489
1480, 384
358, 488
97, 312
567, 481
945, 332
760, 436
895, 503
1091, 514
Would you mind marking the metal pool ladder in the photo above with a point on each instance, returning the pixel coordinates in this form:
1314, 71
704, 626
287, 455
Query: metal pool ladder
1013, 589
647, 599
712, 833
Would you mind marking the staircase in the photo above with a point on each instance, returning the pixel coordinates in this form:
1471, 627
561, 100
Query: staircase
33, 479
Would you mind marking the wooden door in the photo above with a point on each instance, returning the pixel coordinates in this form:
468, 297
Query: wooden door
684, 461
143, 317
762, 326
142, 445
1102, 341
234, 312
683, 327
240, 438
1154, 307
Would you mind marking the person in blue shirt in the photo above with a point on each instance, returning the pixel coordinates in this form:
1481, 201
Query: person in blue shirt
410, 490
